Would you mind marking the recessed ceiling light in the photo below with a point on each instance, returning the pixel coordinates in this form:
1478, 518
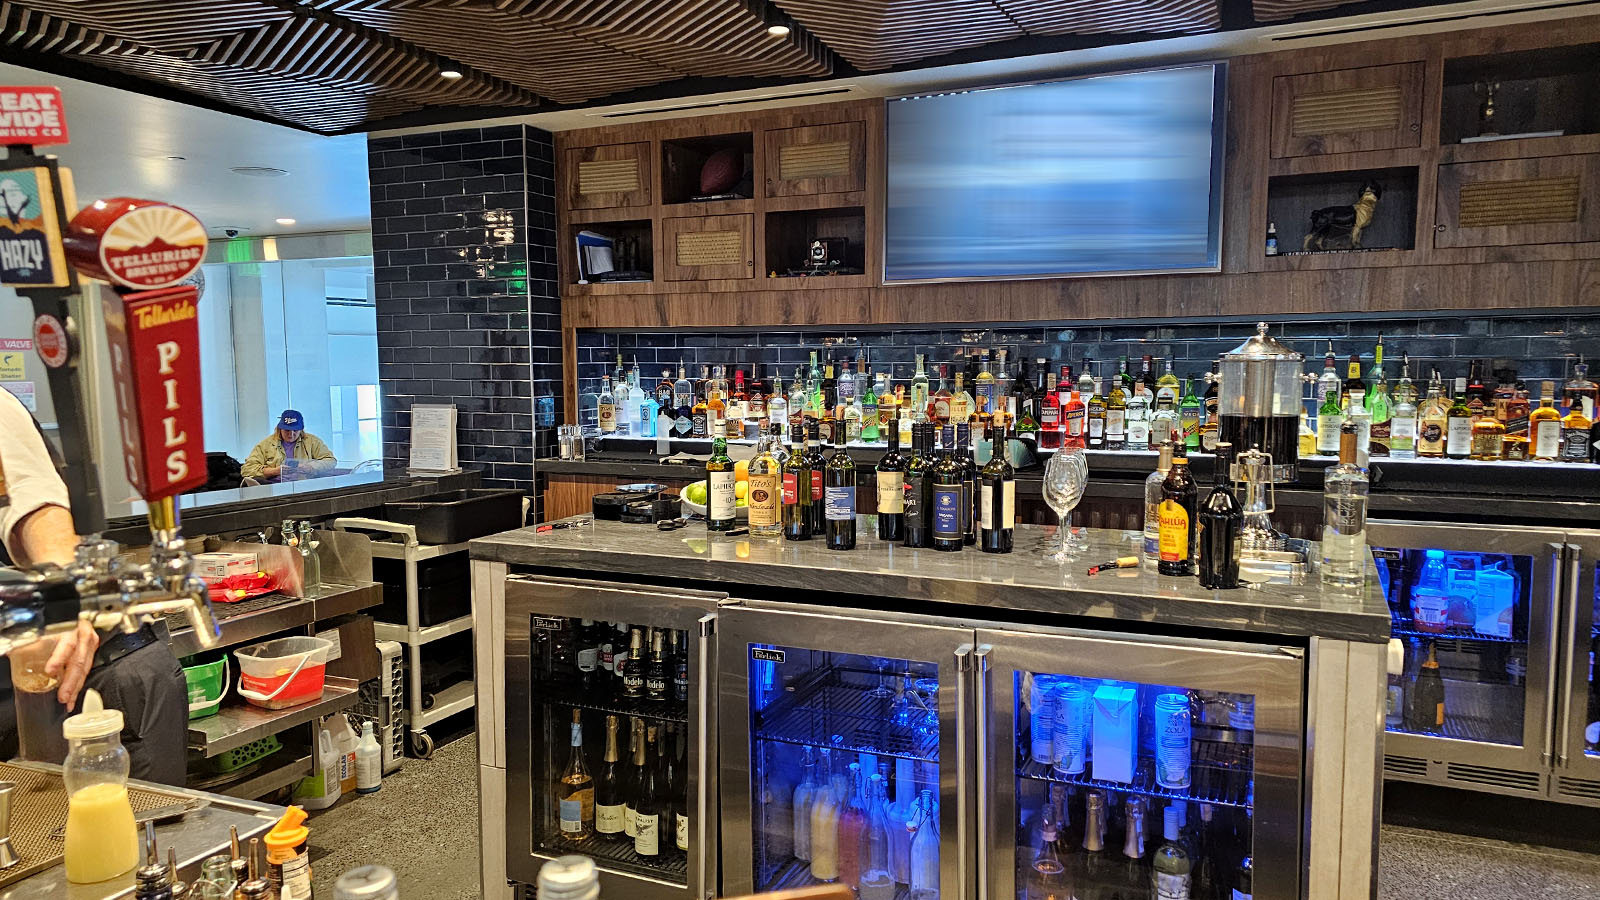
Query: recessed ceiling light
259, 171
450, 72
778, 30
284, 222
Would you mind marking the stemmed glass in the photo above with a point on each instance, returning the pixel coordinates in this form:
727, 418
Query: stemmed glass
1065, 477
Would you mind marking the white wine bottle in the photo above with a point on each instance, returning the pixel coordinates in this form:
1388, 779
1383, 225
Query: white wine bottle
575, 789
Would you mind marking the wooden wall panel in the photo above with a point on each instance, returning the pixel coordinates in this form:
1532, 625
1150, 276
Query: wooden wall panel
571, 495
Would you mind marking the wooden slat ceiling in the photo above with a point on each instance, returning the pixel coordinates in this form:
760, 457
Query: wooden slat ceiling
878, 34
342, 65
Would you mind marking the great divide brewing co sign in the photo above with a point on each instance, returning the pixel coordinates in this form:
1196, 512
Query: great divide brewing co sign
155, 361
31, 252
139, 245
32, 115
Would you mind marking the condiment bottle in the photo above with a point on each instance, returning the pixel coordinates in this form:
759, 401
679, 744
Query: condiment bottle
101, 840
288, 863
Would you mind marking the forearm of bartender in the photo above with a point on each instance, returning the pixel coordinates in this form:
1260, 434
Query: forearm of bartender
46, 536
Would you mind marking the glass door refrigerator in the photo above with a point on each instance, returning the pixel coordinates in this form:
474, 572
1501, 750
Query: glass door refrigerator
1577, 763
1137, 767
846, 738
1472, 695
610, 710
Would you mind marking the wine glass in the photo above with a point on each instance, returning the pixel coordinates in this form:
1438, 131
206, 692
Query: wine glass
1065, 476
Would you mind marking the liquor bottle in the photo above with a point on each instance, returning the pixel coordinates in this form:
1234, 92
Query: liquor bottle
869, 412
722, 511
852, 822
824, 826
1210, 425
888, 406
1477, 394
946, 477
1356, 413
1117, 413
1096, 416
652, 794
1328, 382
1578, 387
699, 414
1145, 385
1152, 502
919, 488
609, 804
909, 416
799, 398
840, 499
1087, 384
1379, 405
1458, 424
804, 793
1171, 865
797, 488
919, 390
985, 390
1026, 417
737, 405
1488, 436
877, 871
997, 503
1329, 417
777, 403
657, 677
648, 410
863, 378
828, 390
610, 652
969, 485
1403, 419
575, 789
1575, 429
633, 667
1167, 387
607, 407
1425, 715
1272, 239
960, 409
891, 490
1050, 430
845, 385
1138, 420
1432, 420
1177, 521
817, 465
1074, 418
852, 418
1344, 516
1352, 379
1219, 529
939, 403
1189, 412
756, 405
1047, 876
717, 404
678, 661
1544, 425
765, 497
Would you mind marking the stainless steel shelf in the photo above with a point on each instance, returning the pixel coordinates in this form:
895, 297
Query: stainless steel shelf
396, 550
258, 617
240, 723
388, 631
458, 697
265, 782
1444, 637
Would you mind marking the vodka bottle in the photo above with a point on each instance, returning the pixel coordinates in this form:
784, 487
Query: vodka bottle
1344, 516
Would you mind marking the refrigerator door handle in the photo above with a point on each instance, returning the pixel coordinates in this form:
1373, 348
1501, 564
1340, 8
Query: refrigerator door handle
963, 780
980, 661
1553, 629
1569, 648
702, 736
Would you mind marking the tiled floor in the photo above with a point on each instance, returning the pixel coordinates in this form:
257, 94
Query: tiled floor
424, 825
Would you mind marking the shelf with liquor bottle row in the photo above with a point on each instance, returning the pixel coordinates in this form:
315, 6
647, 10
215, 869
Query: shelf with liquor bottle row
1467, 419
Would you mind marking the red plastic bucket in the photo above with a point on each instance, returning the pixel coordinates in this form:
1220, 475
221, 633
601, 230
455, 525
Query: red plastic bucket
284, 672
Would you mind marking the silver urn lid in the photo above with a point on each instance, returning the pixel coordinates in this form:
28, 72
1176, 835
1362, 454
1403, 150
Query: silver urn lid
1262, 346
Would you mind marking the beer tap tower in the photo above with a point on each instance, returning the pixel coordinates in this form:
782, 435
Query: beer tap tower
137, 256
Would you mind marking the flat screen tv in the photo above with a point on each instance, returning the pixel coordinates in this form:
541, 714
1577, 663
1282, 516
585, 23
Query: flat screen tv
1108, 174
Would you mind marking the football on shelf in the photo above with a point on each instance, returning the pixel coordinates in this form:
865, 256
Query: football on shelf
722, 171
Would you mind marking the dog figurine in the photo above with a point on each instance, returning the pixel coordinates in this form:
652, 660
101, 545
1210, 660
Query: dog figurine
1340, 227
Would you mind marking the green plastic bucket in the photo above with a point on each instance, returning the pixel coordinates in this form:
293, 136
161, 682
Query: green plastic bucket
208, 685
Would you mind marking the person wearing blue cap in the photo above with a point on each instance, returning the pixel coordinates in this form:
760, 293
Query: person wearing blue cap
288, 453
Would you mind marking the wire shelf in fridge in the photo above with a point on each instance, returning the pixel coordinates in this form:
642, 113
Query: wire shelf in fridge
670, 710
797, 874
617, 853
1444, 638
1219, 774
863, 722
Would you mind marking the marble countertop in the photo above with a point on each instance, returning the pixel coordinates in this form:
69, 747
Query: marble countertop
1024, 581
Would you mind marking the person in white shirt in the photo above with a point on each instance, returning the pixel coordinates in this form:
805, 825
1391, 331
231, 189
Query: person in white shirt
135, 673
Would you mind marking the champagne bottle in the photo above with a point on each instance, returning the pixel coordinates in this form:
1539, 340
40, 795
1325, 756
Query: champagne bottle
633, 778
609, 806
575, 790
647, 809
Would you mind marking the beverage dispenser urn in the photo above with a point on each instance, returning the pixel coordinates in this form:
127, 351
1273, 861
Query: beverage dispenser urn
1259, 405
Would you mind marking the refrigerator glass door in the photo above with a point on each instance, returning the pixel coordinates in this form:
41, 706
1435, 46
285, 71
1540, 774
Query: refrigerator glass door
1474, 610
569, 651
1115, 767
1577, 777
818, 704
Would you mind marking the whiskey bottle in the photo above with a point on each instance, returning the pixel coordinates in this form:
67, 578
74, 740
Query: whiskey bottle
1544, 425
1575, 430
656, 674
722, 512
609, 803
1488, 436
575, 789
997, 502
1432, 420
1458, 424
840, 487
891, 490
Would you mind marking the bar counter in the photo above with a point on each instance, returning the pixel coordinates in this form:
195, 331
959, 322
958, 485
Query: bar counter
1024, 580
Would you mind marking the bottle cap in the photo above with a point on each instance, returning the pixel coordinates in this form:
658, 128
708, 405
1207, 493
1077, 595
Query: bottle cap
94, 722
290, 832
569, 878
365, 883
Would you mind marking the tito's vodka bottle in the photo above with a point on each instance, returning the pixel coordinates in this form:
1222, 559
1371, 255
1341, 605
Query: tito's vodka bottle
1344, 516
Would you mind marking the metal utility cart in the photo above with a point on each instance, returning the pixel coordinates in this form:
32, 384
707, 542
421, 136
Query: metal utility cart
413, 636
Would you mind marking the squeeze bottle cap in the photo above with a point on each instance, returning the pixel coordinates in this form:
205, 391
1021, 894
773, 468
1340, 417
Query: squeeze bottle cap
289, 832
94, 722
569, 878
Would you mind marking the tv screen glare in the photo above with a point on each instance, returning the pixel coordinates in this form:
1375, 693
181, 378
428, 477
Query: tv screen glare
1098, 175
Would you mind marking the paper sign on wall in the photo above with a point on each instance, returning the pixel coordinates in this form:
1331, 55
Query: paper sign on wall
433, 438
23, 390
32, 114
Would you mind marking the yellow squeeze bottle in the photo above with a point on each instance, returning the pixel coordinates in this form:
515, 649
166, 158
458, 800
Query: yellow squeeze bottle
102, 841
